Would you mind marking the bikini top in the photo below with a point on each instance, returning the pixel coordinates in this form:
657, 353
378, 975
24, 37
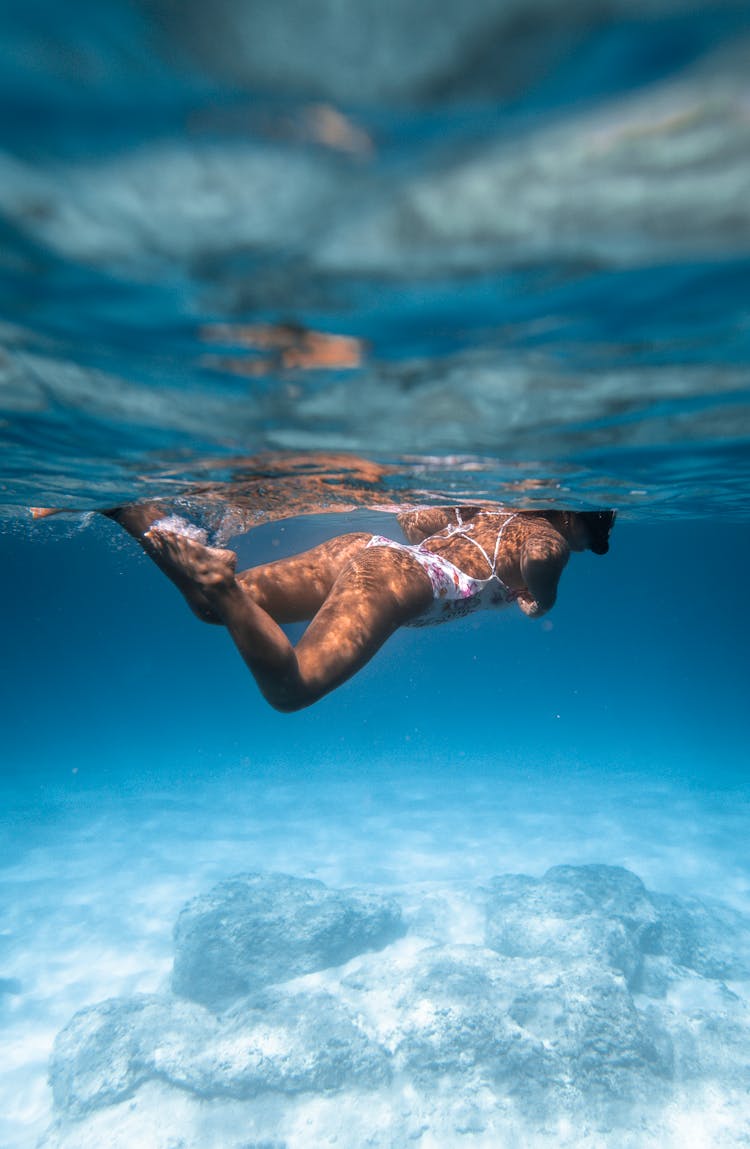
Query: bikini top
464, 529
455, 593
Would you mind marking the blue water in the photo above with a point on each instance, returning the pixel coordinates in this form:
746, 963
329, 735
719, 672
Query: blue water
167, 200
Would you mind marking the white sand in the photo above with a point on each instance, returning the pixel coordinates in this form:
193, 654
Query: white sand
89, 909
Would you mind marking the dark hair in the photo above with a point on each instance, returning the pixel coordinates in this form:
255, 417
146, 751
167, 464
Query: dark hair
598, 524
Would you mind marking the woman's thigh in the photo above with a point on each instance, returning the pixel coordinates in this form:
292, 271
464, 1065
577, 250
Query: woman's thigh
294, 589
377, 592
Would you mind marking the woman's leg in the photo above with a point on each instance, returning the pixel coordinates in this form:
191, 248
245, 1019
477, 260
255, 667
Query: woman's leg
376, 592
290, 590
137, 519
294, 589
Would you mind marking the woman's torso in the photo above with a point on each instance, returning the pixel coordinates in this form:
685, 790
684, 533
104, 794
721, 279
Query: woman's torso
468, 564
486, 544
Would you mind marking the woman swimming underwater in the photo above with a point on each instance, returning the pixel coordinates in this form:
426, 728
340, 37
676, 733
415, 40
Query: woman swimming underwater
357, 589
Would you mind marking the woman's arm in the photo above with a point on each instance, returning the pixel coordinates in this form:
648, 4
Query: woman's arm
543, 560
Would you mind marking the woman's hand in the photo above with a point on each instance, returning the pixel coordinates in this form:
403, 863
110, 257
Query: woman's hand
528, 605
543, 558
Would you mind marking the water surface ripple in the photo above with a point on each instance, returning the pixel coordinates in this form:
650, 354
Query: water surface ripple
511, 262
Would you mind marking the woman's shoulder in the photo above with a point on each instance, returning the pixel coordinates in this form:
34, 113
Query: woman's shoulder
419, 523
540, 539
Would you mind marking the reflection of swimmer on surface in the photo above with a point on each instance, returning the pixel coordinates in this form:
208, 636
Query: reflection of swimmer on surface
357, 589
281, 347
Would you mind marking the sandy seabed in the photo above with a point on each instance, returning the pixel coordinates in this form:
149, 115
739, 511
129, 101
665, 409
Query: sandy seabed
95, 878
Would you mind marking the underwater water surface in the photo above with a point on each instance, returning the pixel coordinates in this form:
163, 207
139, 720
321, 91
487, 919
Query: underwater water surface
289, 268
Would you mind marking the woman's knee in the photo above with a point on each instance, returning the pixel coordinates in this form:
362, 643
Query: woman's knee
287, 699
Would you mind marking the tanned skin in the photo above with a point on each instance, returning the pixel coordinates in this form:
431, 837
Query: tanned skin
354, 597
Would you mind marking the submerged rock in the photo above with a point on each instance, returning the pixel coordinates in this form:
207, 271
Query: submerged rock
711, 939
282, 1043
573, 914
259, 929
605, 913
595, 1006
106, 1051
526, 1029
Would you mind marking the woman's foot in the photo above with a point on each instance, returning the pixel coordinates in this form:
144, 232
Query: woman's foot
138, 519
202, 573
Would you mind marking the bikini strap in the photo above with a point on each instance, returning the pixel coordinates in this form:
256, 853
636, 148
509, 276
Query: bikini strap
491, 563
499, 536
457, 528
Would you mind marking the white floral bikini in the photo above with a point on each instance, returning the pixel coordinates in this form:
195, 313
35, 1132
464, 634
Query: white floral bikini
455, 594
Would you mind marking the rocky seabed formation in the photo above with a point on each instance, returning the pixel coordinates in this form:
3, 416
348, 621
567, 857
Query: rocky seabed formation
582, 1010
